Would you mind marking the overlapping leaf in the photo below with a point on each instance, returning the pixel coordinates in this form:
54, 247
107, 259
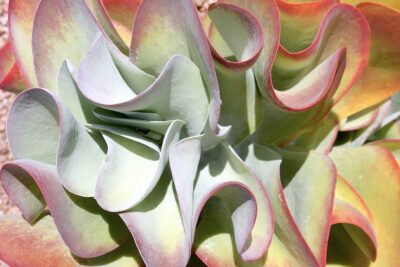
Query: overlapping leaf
127, 135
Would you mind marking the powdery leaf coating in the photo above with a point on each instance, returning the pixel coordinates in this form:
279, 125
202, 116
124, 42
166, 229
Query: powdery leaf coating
247, 135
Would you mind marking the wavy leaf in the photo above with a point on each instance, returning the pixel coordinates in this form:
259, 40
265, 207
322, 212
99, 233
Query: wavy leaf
131, 169
341, 27
167, 96
39, 119
86, 229
182, 35
240, 31
383, 67
375, 174
221, 175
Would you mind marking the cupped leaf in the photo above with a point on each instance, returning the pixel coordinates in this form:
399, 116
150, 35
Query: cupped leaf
267, 14
280, 125
178, 90
313, 88
240, 31
86, 229
351, 209
131, 169
178, 34
38, 119
381, 78
344, 213
341, 26
375, 174
219, 168
220, 174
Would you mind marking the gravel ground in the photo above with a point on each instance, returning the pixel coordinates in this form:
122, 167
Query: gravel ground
5, 102
6, 99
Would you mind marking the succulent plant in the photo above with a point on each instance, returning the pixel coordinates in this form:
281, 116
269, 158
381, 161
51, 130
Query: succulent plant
256, 133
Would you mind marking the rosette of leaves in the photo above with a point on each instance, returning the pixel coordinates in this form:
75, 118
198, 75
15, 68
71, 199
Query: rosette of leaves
258, 133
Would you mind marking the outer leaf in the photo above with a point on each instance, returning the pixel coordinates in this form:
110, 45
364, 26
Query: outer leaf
122, 14
38, 119
99, 11
390, 3
24, 245
180, 34
374, 173
10, 76
391, 145
38, 245
20, 16
78, 219
383, 67
74, 21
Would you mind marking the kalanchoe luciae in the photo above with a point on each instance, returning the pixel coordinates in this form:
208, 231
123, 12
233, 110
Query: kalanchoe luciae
156, 135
